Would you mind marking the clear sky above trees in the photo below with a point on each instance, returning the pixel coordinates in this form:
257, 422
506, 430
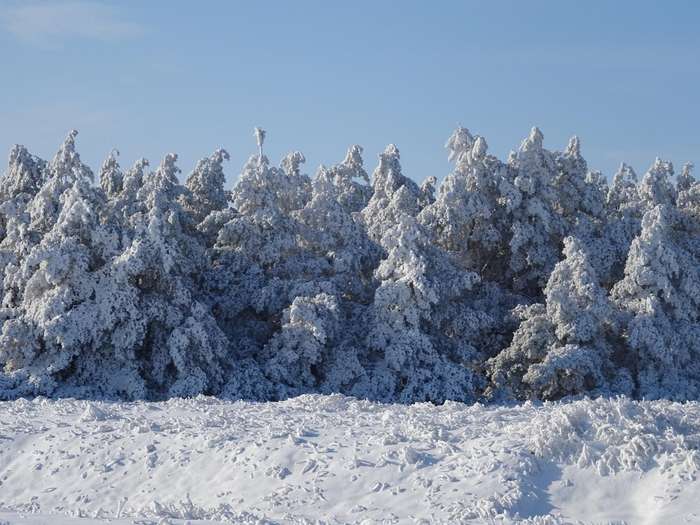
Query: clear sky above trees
150, 77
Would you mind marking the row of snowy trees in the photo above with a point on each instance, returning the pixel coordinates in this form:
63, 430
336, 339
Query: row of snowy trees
530, 278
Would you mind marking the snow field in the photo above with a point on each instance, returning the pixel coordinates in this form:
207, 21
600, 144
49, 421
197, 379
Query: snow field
335, 459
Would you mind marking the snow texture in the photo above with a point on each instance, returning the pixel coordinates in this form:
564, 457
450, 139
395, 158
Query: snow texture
334, 459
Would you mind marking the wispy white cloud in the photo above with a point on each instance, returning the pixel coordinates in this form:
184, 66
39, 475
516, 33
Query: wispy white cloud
47, 22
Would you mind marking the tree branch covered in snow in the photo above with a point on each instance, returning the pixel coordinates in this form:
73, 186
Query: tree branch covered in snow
529, 278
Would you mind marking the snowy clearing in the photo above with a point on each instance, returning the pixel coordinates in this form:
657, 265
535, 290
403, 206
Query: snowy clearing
340, 460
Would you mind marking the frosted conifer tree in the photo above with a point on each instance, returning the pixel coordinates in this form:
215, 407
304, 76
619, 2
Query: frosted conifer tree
183, 349
111, 176
537, 230
18, 187
332, 232
566, 345
206, 187
34, 214
466, 218
25, 174
685, 180
258, 263
688, 200
581, 202
580, 193
69, 310
346, 182
656, 186
338, 268
262, 235
624, 209
393, 195
63, 170
401, 361
309, 327
660, 295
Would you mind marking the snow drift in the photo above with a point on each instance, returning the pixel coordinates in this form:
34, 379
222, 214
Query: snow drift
333, 459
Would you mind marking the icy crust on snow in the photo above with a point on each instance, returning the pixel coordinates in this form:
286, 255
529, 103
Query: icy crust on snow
334, 459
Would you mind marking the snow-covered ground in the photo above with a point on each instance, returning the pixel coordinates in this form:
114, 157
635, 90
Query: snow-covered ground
333, 459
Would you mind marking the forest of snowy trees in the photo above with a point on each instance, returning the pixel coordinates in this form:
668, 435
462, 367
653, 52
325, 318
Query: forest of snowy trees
533, 278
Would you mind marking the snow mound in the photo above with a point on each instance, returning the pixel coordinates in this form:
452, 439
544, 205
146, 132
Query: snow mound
621, 435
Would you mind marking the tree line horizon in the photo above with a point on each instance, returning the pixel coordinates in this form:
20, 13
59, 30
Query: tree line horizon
530, 278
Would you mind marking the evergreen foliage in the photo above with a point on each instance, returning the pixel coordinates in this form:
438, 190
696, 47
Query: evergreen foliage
530, 278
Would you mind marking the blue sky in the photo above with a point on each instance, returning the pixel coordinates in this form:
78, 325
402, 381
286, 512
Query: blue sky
153, 77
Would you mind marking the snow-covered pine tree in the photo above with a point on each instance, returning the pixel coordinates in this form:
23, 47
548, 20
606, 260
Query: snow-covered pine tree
660, 298
32, 202
402, 356
18, 187
466, 218
528, 194
183, 351
63, 170
400, 361
310, 350
297, 352
688, 200
65, 310
259, 265
111, 176
656, 187
205, 185
685, 180
624, 209
125, 207
393, 195
567, 345
580, 201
